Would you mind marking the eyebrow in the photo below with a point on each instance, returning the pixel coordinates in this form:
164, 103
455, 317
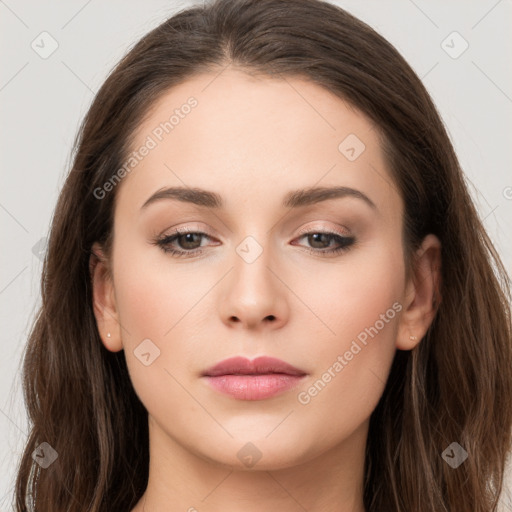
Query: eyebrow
293, 199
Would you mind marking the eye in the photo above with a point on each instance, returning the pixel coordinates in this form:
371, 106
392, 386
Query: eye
321, 242
189, 243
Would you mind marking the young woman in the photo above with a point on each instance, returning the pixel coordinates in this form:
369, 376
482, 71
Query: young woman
266, 285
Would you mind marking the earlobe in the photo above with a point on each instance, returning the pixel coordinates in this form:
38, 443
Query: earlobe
103, 298
422, 295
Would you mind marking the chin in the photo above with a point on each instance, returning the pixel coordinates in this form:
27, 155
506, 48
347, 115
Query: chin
260, 454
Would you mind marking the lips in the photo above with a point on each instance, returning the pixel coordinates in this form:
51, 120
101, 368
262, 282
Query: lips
263, 378
260, 366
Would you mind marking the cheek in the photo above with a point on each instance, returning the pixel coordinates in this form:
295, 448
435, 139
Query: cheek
353, 295
151, 299
153, 305
362, 306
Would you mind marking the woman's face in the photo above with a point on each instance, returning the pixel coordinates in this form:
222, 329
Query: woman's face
261, 279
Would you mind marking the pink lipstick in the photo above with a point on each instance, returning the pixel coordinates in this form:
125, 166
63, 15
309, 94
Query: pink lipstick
259, 379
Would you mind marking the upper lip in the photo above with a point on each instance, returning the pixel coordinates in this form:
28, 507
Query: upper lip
259, 366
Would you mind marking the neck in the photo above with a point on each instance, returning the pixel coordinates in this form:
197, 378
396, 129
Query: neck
180, 480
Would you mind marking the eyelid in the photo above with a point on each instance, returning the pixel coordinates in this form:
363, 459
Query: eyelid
184, 230
165, 240
328, 230
305, 230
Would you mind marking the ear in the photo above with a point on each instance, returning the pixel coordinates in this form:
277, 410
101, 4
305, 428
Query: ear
422, 294
103, 297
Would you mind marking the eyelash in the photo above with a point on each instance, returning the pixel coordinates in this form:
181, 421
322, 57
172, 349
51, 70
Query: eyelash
165, 241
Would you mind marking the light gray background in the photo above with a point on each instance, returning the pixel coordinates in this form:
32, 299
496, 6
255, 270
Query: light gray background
43, 100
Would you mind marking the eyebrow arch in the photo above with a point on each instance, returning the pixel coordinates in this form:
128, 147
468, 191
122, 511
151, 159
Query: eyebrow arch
293, 199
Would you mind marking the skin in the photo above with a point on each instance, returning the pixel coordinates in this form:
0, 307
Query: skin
252, 140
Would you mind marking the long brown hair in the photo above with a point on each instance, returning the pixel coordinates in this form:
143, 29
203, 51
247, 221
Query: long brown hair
455, 386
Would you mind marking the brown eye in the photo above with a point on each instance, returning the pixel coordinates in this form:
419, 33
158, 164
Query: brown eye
320, 242
187, 241
182, 244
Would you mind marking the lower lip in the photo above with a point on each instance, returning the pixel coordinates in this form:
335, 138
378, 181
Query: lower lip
254, 387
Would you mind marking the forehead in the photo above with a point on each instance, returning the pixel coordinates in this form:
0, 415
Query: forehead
256, 136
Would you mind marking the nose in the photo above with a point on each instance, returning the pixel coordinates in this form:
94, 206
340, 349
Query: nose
254, 297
